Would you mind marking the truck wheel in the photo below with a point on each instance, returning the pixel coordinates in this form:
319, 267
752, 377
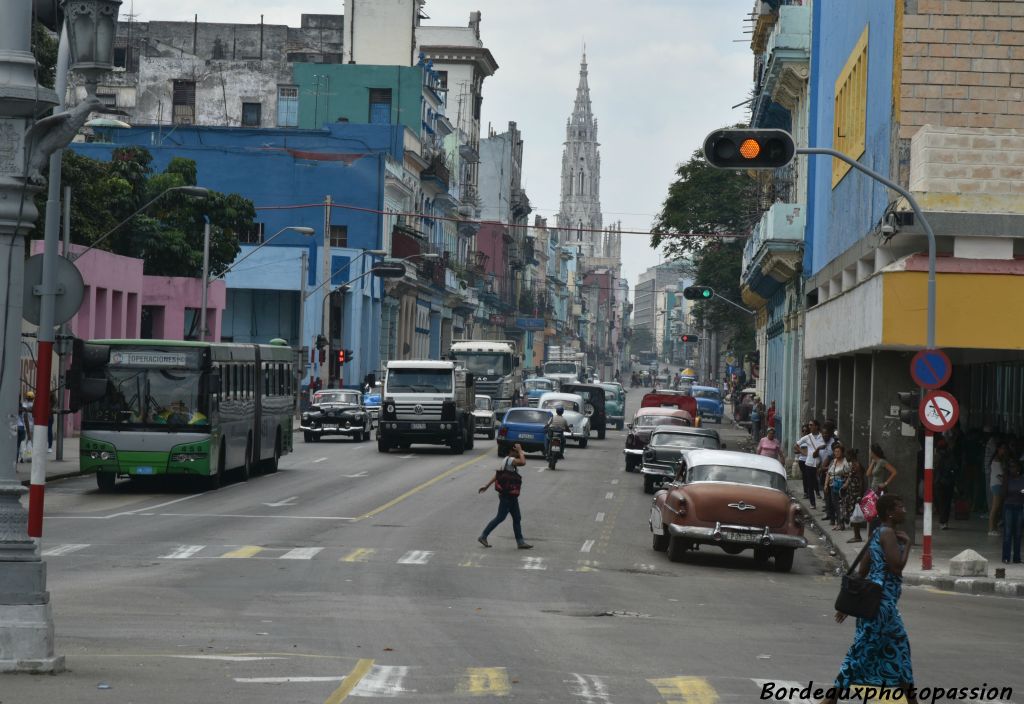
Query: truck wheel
470, 441
600, 434
784, 559
660, 542
105, 481
620, 425
490, 435
648, 484
458, 445
383, 445
583, 442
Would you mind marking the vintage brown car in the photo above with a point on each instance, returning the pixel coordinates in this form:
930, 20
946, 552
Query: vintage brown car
734, 500
644, 423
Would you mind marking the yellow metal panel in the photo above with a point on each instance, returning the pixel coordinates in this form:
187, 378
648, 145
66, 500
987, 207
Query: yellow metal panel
358, 555
685, 690
244, 551
971, 310
484, 681
849, 115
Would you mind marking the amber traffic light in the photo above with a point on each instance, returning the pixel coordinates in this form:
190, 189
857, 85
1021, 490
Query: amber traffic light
749, 149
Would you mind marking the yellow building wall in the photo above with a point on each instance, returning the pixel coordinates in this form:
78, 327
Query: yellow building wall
980, 311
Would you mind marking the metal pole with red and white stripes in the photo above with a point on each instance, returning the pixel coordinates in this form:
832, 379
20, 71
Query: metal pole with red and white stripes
929, 464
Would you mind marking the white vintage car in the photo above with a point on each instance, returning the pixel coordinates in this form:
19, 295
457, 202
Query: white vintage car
483, 416
572, 405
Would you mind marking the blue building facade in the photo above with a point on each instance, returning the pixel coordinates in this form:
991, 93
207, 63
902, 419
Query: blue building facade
330, 180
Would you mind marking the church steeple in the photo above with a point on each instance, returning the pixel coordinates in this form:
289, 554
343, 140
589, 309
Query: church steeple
580, 208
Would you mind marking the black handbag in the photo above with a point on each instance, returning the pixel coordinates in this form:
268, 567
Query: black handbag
859, 597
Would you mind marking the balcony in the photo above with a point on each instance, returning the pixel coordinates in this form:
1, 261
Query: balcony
520, 203
774, 251
406, 240
437, 172
785, 61
469, 153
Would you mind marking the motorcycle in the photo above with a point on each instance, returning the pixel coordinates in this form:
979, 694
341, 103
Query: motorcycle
556, 448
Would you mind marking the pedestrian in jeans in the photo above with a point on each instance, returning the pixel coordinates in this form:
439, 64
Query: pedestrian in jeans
507, 481
809, 447
1013, 511
756, 416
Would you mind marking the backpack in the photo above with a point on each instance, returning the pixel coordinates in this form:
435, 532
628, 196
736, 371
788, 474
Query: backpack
507, 480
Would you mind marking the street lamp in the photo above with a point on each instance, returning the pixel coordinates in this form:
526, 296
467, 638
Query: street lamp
194, 191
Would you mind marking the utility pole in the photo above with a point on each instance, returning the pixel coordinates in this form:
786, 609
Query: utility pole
302, 335
63, 330
325, 322
206, 277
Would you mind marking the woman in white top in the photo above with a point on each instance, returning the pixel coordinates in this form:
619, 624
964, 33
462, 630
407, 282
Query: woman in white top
838, 473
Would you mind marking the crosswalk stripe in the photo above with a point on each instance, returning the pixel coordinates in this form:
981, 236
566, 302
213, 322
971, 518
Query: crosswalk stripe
534, 563
182, 552
415, 557
64, 549
599, 517
358, 555
470, 560
685, 690
382, 681
610, 495
781, 685
244, 551
587, 545
615, 481
484, 681
301, 553
590, 688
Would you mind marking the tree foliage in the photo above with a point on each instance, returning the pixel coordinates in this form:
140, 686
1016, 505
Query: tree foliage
44, 48
168, 235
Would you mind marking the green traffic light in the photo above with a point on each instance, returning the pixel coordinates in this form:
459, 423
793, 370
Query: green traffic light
706, 293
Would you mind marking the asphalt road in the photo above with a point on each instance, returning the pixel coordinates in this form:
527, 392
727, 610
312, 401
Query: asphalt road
355, 576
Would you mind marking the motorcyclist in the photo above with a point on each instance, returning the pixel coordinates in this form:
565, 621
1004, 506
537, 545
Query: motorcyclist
558, 423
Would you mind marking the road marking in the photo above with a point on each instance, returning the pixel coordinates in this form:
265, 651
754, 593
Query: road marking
470, 560
587, 566
424, 485
382, 681
230, 658
587, 545
182, 552
318, 460
244, 551
541, 469
351, 680
285, 680
590, 688
407, 457
358, 555
152, 508
301, 553
534, 563
290, 501
783, 685
256, 515
610, 495
599, 517
63, 549
644, 567
415, 557
483, 682
685, 690
354, 476
615, 481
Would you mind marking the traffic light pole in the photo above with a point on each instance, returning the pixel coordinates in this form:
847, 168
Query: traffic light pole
734, 304
929, 440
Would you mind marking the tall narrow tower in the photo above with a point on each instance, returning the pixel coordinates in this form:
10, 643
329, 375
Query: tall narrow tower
580, 208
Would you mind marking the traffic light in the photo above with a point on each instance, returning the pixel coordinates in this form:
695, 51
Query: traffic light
86, 381
749, 149
698, 293
321, 343
910, 401
345, 356
389, 271
341, 356
688, 338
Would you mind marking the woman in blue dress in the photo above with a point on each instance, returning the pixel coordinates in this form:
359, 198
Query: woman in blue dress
880, 654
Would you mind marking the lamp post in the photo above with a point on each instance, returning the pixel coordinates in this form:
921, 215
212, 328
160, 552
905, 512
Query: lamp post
87, 35
302, 230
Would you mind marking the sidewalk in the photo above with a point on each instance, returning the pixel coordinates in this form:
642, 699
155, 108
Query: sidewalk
68, 467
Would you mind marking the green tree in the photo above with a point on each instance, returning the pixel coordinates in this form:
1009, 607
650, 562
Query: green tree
168, 236
44, 47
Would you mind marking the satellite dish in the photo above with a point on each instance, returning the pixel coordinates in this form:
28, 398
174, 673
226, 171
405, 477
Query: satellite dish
70, 290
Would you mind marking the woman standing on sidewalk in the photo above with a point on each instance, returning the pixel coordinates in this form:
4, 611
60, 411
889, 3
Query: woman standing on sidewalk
1013, 511
853, 490
880, 470
880, 653
838, 474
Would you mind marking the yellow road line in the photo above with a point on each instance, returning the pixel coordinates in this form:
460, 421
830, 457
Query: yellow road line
244, 551
484, 681
685, 690
421, 487
358, 555
350, 681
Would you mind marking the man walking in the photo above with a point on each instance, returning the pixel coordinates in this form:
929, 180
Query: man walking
810, 446
507, 481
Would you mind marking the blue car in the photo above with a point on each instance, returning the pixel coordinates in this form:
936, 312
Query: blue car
526, 426
709, 402
371, 400
536, 387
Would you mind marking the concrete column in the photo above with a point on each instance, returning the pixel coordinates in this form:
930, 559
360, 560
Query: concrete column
830, 410
890, 374
844, 405
818, 393
860, 435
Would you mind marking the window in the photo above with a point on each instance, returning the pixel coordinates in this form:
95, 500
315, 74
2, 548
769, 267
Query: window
380, 106
287, 106
442, 80
339, 235
851, 108
251, 114
108, 99
183, 103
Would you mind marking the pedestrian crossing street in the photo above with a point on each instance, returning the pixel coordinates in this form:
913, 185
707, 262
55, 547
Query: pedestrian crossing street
503, 557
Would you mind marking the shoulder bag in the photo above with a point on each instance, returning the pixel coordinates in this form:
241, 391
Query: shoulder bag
859, 596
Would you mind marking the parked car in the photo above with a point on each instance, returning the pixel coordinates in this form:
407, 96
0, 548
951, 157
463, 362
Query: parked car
526, 426
371, 401
709, 402
538, 386
734, 500
645, 421
483, 416
615, 404
594, 405
572, 409
336, 412
662, 455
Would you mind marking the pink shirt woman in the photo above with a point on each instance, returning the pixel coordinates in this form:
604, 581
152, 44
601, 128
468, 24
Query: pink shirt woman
769, 446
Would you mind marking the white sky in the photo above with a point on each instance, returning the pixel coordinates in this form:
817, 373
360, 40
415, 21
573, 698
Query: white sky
663, 74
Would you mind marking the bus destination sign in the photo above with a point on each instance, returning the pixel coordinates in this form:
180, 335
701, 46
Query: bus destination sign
147, 358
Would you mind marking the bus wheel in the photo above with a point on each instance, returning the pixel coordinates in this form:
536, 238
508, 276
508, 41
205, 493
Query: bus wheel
105, 481
273, 461
245, 471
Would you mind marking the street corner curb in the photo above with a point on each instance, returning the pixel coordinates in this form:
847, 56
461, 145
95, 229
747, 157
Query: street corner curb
826, 538
967, 585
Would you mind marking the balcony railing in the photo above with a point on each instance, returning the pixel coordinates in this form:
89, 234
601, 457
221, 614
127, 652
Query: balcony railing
781, 229
437, 171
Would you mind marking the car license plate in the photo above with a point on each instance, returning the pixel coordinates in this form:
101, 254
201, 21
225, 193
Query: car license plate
419, 426
739, 537
143, 470
330, 426
526, 436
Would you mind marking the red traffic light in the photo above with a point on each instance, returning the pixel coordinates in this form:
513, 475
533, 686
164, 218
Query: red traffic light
749, 149
688, 338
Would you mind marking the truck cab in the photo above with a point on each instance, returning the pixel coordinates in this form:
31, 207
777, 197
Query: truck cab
495, 368
426, 402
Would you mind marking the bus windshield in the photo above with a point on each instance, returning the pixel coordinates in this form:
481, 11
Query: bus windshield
149, 397
485, 363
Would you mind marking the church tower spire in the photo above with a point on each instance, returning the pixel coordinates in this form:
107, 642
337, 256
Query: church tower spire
580, 208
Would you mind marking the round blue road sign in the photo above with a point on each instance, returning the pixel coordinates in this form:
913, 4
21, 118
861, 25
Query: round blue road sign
930, 369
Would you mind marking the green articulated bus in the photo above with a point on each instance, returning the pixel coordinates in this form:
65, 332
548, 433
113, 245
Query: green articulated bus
199, 409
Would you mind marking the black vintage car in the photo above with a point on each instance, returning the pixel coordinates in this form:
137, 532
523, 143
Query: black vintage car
662, 454
593, 398
336, 412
